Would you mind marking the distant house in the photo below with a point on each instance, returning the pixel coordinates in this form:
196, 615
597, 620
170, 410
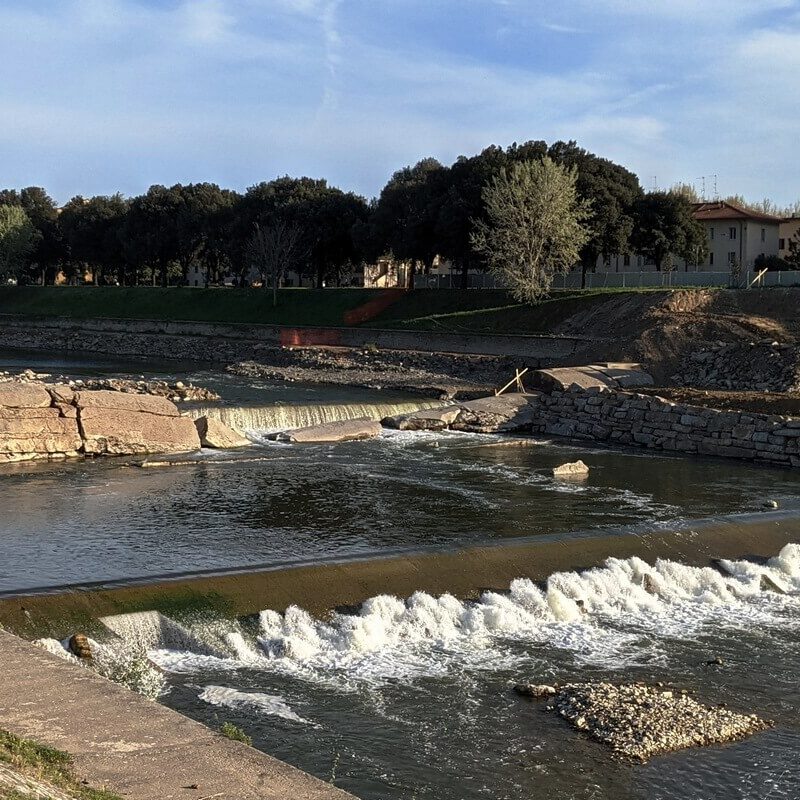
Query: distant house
789, 230
735, 236
386, 273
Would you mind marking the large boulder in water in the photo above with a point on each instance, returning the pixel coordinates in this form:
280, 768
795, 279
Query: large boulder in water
429, 419
347, 430
37, 433
503, 413
116, 423
218, 435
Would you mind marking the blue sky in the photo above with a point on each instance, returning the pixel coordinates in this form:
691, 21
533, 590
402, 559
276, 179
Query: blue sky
99, 96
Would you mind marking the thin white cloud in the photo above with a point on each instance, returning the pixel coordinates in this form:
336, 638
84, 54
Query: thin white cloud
124, 93
556, 28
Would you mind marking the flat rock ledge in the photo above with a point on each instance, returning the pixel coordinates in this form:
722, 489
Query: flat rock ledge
41, 421
348, 430
505, 413
639, 722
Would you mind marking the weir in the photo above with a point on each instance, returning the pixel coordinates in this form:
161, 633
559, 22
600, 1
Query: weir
271, 418
334, 583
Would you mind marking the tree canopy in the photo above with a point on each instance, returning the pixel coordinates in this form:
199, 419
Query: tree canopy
18, 239
536, 225
665, 227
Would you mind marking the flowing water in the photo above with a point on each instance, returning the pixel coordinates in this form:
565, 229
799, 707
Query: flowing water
410, 697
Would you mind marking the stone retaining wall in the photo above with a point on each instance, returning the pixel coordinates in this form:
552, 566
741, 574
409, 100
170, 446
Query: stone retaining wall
627, 418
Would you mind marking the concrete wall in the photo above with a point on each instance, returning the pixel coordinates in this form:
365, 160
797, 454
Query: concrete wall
223, 343
645, 421
134, 746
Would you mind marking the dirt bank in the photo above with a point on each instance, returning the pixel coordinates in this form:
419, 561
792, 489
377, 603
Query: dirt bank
662, 329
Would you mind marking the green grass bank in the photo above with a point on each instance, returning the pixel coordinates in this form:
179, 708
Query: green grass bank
446, 310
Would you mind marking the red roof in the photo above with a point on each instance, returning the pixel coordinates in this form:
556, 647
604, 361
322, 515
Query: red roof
723, 210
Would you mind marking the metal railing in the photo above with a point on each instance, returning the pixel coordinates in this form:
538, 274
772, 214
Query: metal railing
626, 280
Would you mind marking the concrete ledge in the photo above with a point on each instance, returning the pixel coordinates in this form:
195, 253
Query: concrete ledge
140, 749
344, 582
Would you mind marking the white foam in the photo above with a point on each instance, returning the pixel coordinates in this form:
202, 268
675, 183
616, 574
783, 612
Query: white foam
271, 705
254, 419
621, 613
56, 648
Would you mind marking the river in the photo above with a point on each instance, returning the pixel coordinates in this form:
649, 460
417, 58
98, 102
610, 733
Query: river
410, 697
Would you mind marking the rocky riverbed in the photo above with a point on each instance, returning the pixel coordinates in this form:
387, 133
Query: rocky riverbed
443, 375
639, 722
176, 391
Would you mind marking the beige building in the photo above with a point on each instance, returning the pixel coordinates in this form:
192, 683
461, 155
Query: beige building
735, 236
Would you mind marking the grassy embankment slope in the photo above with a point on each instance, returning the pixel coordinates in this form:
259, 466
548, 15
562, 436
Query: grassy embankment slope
44, 768
455, 310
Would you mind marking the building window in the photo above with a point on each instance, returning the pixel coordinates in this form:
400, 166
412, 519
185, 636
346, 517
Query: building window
732, 257
711, 234
763, 234
626, 260
732, 233
781, 244
710, 259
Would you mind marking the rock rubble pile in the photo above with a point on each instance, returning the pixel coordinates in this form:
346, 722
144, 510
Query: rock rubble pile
639, 722
443, 375
766, 365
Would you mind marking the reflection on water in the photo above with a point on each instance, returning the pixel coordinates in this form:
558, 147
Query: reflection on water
86, 521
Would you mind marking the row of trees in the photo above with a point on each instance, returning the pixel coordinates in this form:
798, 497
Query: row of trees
425, 211
159, 236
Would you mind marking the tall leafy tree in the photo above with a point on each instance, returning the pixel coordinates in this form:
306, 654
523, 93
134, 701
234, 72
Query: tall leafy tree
536, 226
93, 233
611, 192
461, 207
203, 215
150, 236
327, 217
665, 227
18, 240
48, 251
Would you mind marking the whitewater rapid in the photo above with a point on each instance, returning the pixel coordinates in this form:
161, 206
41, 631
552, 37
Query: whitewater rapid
609, 616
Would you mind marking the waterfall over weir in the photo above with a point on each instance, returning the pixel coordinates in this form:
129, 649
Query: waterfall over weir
608, 615
270, 418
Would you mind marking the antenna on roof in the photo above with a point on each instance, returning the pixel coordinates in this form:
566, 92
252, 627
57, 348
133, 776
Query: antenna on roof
702, 178
716, 193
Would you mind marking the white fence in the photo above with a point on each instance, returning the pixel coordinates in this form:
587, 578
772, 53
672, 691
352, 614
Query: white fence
622, 280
